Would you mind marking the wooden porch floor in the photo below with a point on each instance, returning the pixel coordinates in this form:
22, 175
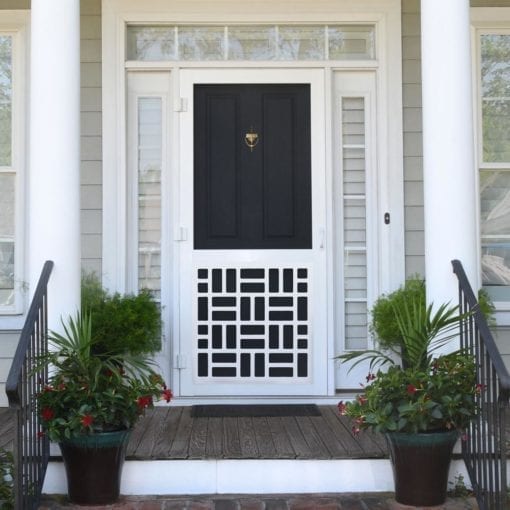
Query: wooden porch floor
168, 433
171, 433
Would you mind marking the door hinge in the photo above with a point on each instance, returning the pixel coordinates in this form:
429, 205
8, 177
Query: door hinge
180, 361
181, 234
181, 105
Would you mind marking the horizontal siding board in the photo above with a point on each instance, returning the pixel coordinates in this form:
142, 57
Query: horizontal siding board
91, 123
91, 148
91, 172
413, 192
90, 7
91, 246
91, 221
90, 50
91, 99
90, 27
414, 219
91, 197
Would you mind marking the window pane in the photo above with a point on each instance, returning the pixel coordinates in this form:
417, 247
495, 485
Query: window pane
201, 43
5, 100
495, 203
149, 194
150, 43
251, 43
495, 227
7, 183
355, 42
301, 43
495, 83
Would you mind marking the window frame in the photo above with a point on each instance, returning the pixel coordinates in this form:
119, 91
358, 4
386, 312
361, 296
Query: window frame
15, 24
486, 20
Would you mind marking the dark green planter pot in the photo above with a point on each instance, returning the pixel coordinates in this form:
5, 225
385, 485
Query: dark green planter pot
420, 465
94, 466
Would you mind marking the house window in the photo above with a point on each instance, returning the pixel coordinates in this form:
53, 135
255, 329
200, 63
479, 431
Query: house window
494, 161
251, 42
11, 163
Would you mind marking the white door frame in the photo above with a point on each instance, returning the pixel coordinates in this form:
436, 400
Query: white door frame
384, 14
320, 308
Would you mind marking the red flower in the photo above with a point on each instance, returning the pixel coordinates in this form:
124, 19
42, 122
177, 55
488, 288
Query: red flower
87, 420
40, 434
342, 407
479, 388
47, 414
144, 402
370, 377
411, 389
167, 394
47, 388
355, 430
362, 399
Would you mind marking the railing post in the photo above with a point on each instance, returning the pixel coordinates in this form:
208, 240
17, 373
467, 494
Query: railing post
31, 451
485, 451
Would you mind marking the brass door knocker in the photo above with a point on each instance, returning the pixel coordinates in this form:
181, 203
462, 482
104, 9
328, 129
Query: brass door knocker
251, 139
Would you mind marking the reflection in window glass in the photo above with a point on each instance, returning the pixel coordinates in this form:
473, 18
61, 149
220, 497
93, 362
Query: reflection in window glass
301, 43
495, 227
354, 42
201, 43
5, 100
149, 194
150, 43
495, 86
7, 183
251, 43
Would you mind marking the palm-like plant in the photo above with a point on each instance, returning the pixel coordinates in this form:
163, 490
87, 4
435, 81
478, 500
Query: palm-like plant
423, 330
88, 392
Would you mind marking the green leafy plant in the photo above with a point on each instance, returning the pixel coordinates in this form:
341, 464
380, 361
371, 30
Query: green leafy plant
418, 400
121, 323
458, 488
6, 480
384, 325
90, 392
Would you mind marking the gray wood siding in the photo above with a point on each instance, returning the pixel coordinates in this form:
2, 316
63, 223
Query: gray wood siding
413, 161
91, 136
8, 342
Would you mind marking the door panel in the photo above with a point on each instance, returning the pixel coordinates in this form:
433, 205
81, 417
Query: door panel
252, 197
253, 272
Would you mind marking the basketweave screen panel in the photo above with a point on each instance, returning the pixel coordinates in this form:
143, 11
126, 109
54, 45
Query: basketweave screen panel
252, 324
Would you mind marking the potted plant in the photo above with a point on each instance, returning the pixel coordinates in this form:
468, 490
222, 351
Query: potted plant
121, 323
423, 403
89, 406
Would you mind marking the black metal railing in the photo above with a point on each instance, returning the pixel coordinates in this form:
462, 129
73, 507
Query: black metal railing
485, 448
31, 447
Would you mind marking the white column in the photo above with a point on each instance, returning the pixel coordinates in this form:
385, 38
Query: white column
54, 179
448, 155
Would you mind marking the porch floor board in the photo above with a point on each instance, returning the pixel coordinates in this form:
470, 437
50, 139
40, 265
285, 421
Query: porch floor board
168, 433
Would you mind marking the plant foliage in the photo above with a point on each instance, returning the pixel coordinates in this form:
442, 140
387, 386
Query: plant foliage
6, 480
94, 392
121, 323
442, 396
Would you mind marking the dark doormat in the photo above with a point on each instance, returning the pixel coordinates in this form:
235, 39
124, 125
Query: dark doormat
254, 411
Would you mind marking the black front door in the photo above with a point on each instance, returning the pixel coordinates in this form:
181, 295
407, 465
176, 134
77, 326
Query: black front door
252, 167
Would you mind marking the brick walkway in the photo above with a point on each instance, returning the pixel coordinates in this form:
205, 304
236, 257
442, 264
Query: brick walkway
258, 502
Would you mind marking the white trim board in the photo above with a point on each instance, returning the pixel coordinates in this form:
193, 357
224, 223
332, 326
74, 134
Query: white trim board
173, 477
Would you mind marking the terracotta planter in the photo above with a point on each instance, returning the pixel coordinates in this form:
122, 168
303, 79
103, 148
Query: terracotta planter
94, 466
420, 465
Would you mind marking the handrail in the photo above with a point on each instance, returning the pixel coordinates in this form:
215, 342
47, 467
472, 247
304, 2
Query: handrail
484, 450
31, 446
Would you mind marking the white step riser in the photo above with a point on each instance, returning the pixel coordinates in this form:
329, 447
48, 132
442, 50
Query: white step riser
168, 477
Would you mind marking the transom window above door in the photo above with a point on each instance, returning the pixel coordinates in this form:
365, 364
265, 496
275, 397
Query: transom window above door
251, 42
